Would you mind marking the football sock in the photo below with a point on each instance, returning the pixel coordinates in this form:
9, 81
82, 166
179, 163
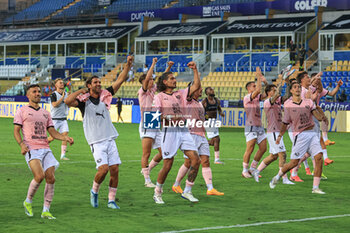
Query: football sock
262, 166
208, 177
152, 164
181, 174
95, 187
111, 193
33, 187
188, 187
48, 194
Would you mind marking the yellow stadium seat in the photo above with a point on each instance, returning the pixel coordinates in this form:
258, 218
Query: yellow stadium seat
340, 63
345, 63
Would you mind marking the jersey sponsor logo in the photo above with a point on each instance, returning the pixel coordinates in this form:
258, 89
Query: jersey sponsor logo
100, 114
151, 120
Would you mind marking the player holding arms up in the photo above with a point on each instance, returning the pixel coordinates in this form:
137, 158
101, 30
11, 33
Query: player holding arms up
254, 132
299, 112
35, 122
100, 132
273, 112
195, 112
172, 106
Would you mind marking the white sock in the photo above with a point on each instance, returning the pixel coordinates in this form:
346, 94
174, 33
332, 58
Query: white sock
29, 201
210, 186
325, 155
176, 183
147, 180
187, 189
46, 209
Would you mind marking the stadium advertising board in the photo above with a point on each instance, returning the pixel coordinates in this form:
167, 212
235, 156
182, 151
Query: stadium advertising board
20, 36
90, 33
8, 110
251, 8
188, 29
338, 114
342, 22
265, 25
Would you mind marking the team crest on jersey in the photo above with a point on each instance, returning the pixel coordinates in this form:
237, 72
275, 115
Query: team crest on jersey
307, 107
46, 116
178, 97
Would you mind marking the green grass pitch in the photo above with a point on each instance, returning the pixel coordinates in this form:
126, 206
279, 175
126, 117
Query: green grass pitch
245, 201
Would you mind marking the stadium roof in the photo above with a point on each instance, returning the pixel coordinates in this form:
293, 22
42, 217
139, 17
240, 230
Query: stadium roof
182, 30
265, 25
89, 33
341, 23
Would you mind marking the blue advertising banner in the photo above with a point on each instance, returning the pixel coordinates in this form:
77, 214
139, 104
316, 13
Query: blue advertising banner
253, 8
335, 106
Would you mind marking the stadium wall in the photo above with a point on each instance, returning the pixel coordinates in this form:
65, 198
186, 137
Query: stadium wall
337, 115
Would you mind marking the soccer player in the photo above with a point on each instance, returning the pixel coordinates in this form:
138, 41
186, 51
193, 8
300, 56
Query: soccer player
310, 92
273, 112
119, 108
99, 131
254, 132
212, 107
316, 84
35, 122
299, 112
195, 113
171, 104
150, 138
59, 113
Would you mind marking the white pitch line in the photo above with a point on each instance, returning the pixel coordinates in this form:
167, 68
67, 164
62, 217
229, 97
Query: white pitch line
259, 223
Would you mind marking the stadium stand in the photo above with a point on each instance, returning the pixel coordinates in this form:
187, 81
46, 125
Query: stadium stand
240, 54
132, 5
39, 10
